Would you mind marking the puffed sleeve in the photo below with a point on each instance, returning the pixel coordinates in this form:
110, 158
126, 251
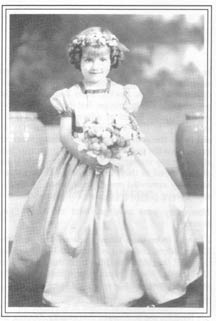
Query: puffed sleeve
59, 100
133, 98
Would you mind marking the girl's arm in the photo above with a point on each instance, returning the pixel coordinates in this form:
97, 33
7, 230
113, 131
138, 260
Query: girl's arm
69, 143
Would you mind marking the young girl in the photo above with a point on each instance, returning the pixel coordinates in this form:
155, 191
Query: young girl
97, 234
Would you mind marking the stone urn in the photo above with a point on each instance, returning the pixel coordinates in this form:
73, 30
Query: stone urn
27, 151
190, 152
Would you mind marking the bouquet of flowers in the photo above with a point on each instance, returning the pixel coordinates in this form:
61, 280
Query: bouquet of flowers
110, 138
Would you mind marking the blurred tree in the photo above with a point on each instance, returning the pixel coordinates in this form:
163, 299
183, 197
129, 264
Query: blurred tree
39, 64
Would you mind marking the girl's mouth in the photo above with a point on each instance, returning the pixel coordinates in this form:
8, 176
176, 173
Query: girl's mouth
95, 72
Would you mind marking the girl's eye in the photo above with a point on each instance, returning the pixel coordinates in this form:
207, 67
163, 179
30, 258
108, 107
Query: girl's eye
88, 59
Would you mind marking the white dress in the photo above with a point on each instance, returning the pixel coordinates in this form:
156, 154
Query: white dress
108, 239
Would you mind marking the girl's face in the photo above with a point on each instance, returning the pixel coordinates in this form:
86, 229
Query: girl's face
95, 64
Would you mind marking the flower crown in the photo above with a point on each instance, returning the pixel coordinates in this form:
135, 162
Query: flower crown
97, 40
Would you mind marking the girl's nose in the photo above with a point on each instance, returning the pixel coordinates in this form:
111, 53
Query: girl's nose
96, 63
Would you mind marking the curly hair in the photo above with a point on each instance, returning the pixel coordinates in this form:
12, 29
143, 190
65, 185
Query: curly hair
96, 37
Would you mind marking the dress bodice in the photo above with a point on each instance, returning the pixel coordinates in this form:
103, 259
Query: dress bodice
119, 99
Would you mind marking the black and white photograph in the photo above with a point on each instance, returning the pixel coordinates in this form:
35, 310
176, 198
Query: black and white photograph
106, 133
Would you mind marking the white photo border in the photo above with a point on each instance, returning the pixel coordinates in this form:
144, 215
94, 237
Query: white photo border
6, 10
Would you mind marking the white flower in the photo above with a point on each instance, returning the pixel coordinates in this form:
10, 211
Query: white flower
82, 37
96, 146
114, 138
92, 130
103, 147
103, 41
98, 130
126, 133
75, 41
108, 141
113, 43
106, 135
81, 136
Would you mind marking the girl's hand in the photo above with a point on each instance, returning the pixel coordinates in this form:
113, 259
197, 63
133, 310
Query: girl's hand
69, 143
92, 162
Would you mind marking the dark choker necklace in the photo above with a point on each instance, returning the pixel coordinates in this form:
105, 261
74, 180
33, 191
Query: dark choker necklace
95, 91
